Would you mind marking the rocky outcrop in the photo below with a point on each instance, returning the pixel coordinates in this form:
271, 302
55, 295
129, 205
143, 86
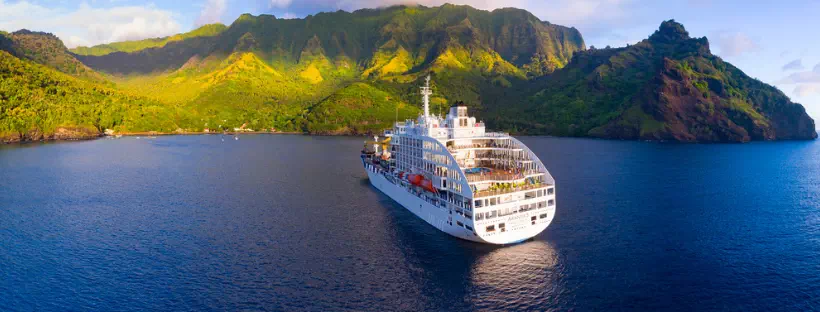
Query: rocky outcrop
59, 134
668, 87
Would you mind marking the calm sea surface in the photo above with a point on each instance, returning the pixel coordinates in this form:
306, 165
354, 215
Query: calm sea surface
291, 223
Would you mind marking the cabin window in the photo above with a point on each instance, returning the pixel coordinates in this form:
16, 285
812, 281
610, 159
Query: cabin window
550, 191
551, 202
540, 193
460, 224
493, 201
491, 214
478, 203
529, 195
479, 216
541, 204
543, 216
501, 227
491, 228
468, 227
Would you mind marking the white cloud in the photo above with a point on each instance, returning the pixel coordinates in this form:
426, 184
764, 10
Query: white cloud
733, 44
212, 12
289, 15
805, 90
802, 77
806, 82
280, 3
794, 65
87, 25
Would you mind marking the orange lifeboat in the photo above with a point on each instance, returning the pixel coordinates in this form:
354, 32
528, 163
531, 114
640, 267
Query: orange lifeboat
415, 179
420, 181
428, 186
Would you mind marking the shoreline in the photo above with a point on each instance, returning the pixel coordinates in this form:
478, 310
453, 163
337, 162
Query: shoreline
87, 137
152, 133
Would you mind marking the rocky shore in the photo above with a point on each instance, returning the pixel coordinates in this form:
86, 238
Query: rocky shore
59, 134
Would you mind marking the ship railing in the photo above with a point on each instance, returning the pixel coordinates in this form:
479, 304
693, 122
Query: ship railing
499, 176
454, 148
503, 191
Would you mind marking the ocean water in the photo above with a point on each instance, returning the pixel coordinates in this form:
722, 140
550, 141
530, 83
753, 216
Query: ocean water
290, 223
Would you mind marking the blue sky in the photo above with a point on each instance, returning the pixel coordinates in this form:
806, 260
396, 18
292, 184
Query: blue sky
775, 42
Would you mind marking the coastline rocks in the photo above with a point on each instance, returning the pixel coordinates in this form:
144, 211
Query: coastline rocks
59, 134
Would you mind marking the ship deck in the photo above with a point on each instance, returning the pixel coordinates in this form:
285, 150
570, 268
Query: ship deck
507, 190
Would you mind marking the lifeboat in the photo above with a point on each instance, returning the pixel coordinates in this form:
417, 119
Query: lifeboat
415, 178
420, 181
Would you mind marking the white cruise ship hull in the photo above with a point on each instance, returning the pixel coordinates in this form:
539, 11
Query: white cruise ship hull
447, 222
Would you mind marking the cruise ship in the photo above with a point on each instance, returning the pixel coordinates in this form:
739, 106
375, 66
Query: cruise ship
476, 185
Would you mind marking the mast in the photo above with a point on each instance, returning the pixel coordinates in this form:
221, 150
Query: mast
426, 92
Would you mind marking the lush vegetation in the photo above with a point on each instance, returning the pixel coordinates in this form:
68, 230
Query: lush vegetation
209, 30
36, 102
46, 49
358, 108
346, 73
668, 87
276, 73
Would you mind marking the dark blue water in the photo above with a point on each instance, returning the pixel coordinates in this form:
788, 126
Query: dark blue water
290, 223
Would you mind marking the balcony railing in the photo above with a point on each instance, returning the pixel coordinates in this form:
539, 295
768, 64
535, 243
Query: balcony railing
454, 148
498, 176
508, 190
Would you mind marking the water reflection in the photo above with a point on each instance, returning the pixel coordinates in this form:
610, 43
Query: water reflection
459, 275
515, 277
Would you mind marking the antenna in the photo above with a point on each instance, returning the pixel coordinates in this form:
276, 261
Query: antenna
426, 92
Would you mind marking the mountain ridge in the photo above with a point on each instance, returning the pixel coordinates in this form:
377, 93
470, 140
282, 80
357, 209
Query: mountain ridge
666, 87
351, 72
208, 30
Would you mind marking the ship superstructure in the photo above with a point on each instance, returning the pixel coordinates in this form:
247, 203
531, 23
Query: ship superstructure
476, 185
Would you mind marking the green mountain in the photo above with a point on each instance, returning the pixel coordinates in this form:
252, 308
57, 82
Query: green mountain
38, 102
209, 30
667, 87
46, 49
473, 54
418, 36
356, 72
358, 108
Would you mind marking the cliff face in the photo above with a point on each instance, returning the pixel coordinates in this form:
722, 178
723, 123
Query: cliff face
472, 53
668, 87
425, 33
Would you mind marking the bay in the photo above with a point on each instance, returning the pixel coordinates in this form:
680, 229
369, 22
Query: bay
286, 222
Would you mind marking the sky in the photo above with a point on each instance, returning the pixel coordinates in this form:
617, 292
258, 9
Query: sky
774, 41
